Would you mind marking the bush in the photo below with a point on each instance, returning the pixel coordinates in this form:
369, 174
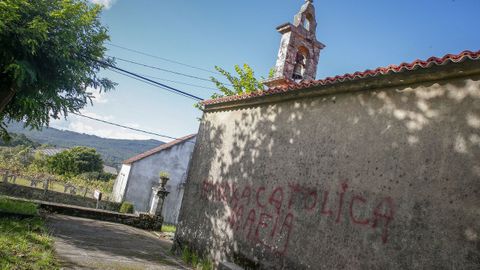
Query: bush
126, 207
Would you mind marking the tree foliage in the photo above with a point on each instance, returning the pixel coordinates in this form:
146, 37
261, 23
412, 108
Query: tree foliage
18, 139
244, 82
75, 161
48, 59
15, 158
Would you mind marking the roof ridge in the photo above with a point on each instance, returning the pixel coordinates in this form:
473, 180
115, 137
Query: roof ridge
158, 149
454, 58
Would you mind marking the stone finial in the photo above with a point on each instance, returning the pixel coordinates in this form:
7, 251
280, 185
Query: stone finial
299, 48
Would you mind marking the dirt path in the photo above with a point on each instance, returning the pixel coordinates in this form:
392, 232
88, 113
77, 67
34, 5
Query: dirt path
90, 244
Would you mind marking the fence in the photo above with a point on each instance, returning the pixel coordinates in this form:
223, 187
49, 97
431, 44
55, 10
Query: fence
49, 184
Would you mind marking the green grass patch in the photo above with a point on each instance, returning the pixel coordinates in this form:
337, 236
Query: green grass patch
127, 208
17, 207
169, 228
191, 258
24, 243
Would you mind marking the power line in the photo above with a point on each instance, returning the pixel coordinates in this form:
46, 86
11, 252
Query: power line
162, 58
126, 127
147, 82
172, 81
161, 69
157, 84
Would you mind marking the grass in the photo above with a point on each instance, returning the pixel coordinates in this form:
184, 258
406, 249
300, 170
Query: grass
191, 258
53, 186
17, 207
126, 208
24, 243
169, 228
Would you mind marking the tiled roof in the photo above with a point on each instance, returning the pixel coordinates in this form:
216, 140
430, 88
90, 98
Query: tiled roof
158, 149
417, 64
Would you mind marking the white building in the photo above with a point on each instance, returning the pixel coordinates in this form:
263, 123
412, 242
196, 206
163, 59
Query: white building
140, 174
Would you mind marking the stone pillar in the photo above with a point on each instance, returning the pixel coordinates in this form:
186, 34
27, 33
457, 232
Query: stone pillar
162, 193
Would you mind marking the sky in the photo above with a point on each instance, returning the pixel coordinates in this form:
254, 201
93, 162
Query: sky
358, 35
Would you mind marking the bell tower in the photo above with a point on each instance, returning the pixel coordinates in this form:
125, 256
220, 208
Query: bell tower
299, 49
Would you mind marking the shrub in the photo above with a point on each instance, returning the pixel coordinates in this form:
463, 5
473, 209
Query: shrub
126, 207
163, 174
169, 228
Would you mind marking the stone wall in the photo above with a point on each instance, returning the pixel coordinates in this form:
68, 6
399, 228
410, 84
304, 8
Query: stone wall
382, 173
142, 221
53, 196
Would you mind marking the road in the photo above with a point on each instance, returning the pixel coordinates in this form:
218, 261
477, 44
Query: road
89, 244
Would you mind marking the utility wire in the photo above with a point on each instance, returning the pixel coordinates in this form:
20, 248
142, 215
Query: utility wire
147, 82
161, 69
172, 81
125, 127
165, 70
162, 58
158, 84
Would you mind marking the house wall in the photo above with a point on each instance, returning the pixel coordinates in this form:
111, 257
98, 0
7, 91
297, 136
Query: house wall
385, 178
144, 174
121, 183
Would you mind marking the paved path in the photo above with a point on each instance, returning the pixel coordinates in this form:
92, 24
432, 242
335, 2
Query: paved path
89, 244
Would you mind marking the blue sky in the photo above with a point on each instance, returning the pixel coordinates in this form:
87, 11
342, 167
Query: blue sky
359, 35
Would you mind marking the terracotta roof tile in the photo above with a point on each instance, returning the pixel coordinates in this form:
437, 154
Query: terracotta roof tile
430, 62
158, 149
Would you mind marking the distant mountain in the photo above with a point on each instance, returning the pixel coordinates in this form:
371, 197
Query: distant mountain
113, 151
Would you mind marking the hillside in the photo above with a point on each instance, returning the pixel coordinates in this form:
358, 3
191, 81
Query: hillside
113, 151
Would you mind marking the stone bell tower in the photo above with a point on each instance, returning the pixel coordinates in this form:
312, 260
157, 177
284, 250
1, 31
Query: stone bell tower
299, 49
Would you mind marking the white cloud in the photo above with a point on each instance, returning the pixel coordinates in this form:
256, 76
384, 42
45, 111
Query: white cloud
106, 3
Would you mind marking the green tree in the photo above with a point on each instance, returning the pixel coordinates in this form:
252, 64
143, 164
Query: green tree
75, 161
245, 82
48, 59
15, 158
19, 139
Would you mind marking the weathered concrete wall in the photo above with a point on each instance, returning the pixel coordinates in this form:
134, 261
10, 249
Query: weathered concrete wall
144, 174
372, 179
55, 197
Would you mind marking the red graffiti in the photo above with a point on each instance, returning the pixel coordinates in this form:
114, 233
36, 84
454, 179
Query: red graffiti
246, 194
276, 199
340, 203
387, 206
312, 194
357, 198
324, 211
260, 190
265, 216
